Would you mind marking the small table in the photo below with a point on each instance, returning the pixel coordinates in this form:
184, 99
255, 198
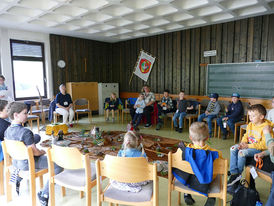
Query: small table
56, 128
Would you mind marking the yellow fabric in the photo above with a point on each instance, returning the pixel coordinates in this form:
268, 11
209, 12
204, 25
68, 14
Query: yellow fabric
254, 135
205, 147
56, 129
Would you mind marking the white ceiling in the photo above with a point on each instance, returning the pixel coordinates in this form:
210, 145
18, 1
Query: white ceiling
117, 20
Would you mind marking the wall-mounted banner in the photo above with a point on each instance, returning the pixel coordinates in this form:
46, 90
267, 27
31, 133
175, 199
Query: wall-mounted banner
144, 65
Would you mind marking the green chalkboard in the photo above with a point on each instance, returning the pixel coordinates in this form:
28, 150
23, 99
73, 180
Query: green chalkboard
251, 79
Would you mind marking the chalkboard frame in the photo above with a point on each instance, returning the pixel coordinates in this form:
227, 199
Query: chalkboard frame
249, 65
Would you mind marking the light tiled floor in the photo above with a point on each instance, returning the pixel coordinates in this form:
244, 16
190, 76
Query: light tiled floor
72, 198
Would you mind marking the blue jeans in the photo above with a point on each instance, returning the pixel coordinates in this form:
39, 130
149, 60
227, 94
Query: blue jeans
209, 120
137, 119
238, 158
230, 123
271, 195
181, 116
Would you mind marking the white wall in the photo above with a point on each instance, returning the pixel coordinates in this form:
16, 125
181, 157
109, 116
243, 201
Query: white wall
5, 55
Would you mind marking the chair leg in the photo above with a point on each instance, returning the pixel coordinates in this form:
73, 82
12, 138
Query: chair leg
30, 123
8, 186
38, 125
219, 132
81, 194
52, 193
179, 198
2, 177
41, 182
247, 174
215, 128
169, 196
33, 190
88, 198
63, 191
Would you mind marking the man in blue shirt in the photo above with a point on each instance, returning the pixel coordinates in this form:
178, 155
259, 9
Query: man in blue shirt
234, 113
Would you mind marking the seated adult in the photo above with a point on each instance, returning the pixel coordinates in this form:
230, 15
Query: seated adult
64, 105
149, 100
234, 113
165, 106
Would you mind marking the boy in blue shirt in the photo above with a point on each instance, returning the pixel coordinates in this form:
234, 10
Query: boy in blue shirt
234, 113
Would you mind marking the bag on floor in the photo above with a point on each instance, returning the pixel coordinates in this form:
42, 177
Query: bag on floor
244, 196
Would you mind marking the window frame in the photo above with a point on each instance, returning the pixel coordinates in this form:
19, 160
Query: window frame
24, 58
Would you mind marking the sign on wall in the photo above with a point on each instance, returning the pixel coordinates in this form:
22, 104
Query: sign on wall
210, 53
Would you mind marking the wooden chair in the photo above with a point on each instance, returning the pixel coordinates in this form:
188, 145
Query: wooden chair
19, 151
85, 108
262, 174
192, 117
32, 116
78, 172
129, 170
2, 177
125, 110
218, 187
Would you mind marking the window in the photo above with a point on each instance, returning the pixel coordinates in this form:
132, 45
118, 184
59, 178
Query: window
28, 68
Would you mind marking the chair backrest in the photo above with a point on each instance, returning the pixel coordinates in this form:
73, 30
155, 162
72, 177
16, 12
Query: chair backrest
131, 100
125, 169
81, 102
220, 166
15, 149
67, 157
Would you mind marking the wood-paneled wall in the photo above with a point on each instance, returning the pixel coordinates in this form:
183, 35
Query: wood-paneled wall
178, 55
74, 51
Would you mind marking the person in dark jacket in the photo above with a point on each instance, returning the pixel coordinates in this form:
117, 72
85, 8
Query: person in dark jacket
212, 111
234, 113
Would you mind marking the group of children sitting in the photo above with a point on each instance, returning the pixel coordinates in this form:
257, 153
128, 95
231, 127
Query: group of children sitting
257, 140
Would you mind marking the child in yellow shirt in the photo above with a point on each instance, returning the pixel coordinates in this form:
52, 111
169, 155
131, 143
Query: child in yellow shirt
253, 142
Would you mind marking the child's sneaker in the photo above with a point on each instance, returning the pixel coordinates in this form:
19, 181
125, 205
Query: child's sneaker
188, 199
113, 120
233, 179
43, 199
158, 126
210, 201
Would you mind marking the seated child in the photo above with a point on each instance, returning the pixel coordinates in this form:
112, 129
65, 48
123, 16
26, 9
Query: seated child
182, 107
4, 89
212, 110
3, 123
164, 107
139, 106
18, 114
270, 113
111, 105
234, 113
253, 142
198, 134
132, 147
